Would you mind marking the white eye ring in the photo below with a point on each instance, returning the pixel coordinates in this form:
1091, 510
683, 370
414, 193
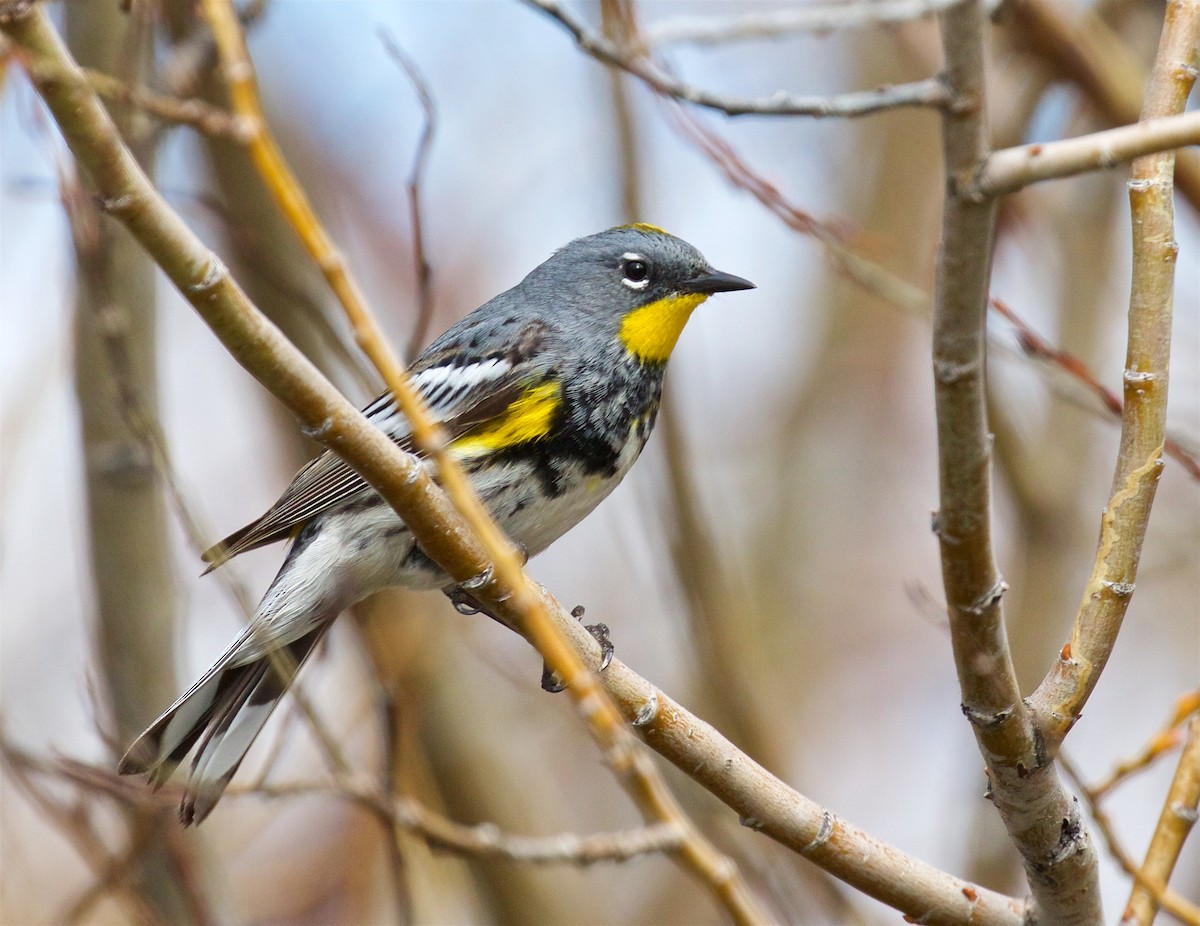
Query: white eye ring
631, 258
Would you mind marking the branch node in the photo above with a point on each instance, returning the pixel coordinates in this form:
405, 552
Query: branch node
648, 711
949, 372
988, 599
823, 833
1119, 589
117, 205
986, 718
213, 274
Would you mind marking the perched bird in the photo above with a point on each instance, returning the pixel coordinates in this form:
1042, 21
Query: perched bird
547, 395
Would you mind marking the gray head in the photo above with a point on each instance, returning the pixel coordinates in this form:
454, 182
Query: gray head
643, 280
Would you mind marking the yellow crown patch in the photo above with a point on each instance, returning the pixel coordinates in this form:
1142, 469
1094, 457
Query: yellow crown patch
646, 227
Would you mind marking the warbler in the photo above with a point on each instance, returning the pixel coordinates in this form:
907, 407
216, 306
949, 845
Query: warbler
546, 394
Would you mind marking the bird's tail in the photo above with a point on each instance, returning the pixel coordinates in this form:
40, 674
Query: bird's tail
223, 712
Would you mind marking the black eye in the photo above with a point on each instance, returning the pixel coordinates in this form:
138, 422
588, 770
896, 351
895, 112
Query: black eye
636, 271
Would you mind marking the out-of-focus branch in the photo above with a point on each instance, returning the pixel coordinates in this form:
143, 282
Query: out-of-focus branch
488, 840
1061, 696
1176, 821
821, 18
1034, 345
761, 800
1013, 168
1041, 816
1166, 739
134, 618
502, 577
420, 330
204, 118
922, 93
1088, 53
1179, 907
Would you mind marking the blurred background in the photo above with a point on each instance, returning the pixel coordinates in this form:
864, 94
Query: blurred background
768, 563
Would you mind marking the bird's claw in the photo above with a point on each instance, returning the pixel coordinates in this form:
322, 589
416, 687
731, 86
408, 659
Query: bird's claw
464, 602
550, 680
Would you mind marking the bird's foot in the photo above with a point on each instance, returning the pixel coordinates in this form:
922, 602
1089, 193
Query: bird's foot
550, 680
464, 602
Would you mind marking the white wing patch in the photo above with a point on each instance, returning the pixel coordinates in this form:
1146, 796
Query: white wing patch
443, 389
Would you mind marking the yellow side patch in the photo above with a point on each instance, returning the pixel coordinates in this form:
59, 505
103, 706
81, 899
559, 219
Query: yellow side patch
650, 333
646, 227
527, 419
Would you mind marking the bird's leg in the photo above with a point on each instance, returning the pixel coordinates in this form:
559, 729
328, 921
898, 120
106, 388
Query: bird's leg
550, 680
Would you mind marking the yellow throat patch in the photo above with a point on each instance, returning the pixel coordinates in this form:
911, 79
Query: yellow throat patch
650, 332
527, 419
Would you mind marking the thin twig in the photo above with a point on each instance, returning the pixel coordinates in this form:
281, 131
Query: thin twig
1014, 168
420, 329
502, 579
1042, 818
1060, 697
77, 825
403, 812
1162, 742
1176, 821
1034, 345
930, 93
760, 799
1179, 907
194, 112
821, 18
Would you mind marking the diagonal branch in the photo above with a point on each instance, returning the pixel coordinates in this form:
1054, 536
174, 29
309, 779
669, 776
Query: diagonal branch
923, 93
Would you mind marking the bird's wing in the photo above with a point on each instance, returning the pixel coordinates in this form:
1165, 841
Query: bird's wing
461, 394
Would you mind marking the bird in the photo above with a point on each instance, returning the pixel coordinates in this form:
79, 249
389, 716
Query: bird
547, 394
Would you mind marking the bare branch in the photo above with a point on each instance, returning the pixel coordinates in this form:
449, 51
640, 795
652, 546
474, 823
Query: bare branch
1034, 345
1181, 908
923, 93
821, 18
420, 158
1162, 742
1062, 694
1013, 168
1042, 818
198, 114
1176, 821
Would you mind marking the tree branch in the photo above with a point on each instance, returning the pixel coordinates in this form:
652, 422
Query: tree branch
821, 18
1177, 819
204, 118
1062, 694
1042, 819
923, 93
1013, 168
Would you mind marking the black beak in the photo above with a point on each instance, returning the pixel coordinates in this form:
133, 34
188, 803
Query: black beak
714, 281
